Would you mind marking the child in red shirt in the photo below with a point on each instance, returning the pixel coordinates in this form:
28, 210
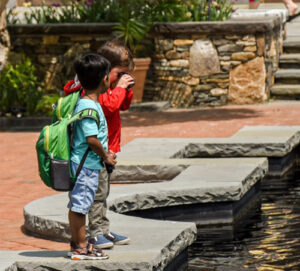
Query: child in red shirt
115, 99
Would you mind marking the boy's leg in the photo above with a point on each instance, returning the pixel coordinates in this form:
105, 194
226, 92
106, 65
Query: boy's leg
77, 227
98, 221
81, 199
291, 6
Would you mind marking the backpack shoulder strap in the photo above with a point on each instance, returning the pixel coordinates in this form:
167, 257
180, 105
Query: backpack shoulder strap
86, 113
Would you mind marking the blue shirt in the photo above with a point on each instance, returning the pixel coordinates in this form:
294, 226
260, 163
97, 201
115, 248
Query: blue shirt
88, 127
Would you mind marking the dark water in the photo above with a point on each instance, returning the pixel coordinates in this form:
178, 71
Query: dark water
269, 239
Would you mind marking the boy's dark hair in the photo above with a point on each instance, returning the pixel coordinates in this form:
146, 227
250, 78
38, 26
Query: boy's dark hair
117, 53
91, 69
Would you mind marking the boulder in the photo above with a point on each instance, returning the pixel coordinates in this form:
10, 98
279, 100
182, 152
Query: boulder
247, 82
204, 59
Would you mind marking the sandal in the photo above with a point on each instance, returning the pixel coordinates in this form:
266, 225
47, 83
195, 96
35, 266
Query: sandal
86, 253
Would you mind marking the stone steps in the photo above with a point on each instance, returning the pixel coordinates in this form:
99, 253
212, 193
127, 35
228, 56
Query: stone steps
287, 78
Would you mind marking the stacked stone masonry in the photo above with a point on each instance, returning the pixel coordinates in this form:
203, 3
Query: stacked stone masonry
214, 69
196, 64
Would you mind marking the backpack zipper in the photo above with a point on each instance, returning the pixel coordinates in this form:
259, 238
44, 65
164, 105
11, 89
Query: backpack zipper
58, 108
46, 142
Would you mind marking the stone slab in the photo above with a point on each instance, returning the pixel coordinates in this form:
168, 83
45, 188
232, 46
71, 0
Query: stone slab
288, 74
206, 181
154, 244
247, 14
292, 42
143, 148
230, 26
285, 89
289, 58
276, 142
210, 180
149, 106
293, 28
250, 141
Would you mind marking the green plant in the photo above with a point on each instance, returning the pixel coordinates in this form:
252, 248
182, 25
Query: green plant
74, 11
44, 105
19, 87
210, 10
134, 24
136, 12
168, 11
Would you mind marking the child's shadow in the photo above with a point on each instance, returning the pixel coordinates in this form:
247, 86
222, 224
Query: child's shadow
44, 254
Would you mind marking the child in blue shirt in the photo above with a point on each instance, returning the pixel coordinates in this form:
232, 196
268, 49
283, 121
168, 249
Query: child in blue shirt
93, 73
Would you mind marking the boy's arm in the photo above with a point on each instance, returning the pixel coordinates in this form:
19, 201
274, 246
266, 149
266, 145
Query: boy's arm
127, 101
96, 146
111, 101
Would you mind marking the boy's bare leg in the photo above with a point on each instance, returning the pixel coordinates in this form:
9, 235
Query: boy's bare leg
77, 227
254, 5
291, 6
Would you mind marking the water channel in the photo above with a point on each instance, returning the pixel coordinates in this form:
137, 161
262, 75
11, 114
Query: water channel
268, 239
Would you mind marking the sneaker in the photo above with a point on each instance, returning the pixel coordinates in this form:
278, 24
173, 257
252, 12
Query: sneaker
101, 242
117, 239
86, 253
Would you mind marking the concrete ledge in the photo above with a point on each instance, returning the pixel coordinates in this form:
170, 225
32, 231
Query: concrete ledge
236, 26
63, 28
261, 24
23, 124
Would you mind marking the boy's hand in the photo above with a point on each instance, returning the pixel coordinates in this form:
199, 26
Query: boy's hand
125, 81
110, 158
114, 154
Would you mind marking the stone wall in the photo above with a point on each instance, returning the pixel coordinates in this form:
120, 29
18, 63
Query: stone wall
214, 63
54, 48
194, 64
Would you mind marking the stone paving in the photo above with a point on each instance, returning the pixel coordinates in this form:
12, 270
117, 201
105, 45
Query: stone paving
154, 243
20, 183
201, 181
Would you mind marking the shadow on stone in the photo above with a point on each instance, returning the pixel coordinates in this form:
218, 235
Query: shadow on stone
44, 254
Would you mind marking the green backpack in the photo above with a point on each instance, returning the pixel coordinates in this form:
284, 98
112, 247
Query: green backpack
53, 145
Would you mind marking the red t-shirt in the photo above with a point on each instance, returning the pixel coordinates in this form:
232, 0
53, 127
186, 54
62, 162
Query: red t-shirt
111, 102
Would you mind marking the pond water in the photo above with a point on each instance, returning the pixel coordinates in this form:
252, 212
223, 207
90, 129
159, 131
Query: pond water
268, 239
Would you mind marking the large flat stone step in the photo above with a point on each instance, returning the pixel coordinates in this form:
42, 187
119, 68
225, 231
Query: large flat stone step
288, 76
289, 61
278, 143
155, 245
